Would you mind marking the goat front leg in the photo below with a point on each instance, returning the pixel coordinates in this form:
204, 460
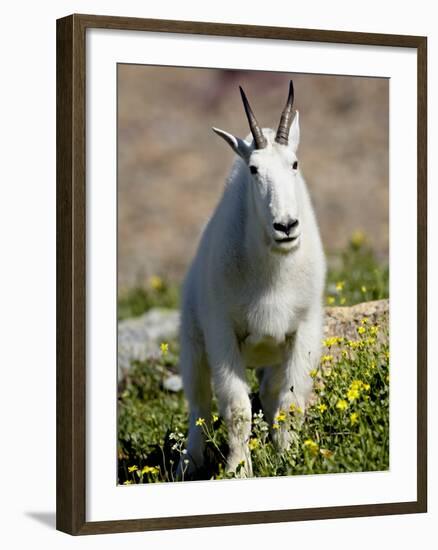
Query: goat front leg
290, 383
232, 393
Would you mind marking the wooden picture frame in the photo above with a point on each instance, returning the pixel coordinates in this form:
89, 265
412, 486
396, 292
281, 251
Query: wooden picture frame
71, 273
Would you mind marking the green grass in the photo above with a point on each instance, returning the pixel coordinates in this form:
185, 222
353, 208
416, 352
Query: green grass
138, 300
355, 275
345, 430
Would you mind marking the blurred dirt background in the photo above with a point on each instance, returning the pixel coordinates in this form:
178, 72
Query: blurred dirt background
172, 167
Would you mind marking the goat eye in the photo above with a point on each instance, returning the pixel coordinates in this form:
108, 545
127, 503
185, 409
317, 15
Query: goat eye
295, 165
253, 169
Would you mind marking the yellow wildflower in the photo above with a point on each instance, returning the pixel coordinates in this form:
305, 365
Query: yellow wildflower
132, 469
361, 330
364, 321
357, 238
331, 341
327, 358
363, 288
352, 394
276, 426
127, 482
215, 418
322, 407
340, 286
374, 330
311, 445
164, 348
353, 418
313, 373
330, 300
354, 344
253, 444
156, 283
341, 405
366, 387
292, 407
200, 422
281, 417
354, 390
150, 470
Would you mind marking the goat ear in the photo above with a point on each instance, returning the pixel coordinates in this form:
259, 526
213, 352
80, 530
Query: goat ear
238, 145
294, 132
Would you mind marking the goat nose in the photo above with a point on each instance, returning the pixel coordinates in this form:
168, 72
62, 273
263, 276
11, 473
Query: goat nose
286, 227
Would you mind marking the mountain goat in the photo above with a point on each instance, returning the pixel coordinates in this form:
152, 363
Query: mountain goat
253, 294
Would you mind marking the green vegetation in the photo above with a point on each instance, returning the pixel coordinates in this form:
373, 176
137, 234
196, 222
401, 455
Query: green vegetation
346, 428
355, 276
138, 300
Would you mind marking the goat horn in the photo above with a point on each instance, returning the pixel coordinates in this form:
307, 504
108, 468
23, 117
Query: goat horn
286, 118
256, 131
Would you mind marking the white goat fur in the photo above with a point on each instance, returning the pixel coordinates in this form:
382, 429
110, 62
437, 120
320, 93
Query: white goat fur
250, 301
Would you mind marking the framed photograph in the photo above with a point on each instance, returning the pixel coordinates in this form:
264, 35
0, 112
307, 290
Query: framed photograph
241, 274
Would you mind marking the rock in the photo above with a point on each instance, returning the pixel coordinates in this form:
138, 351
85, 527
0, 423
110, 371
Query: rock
140, 338
343, 321
173, 383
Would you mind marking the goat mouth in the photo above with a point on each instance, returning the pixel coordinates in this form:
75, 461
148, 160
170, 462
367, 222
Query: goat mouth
287, 239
